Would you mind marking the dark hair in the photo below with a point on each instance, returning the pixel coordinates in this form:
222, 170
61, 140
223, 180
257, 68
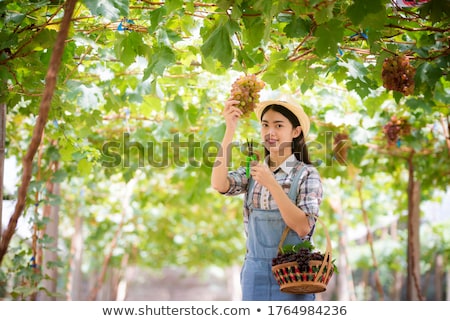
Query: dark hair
299, 147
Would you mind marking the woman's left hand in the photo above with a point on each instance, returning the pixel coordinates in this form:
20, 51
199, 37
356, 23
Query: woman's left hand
262, 174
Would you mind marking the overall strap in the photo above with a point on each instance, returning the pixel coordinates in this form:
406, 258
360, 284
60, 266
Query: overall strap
293, 189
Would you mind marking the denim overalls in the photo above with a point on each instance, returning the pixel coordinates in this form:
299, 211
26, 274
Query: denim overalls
264, 233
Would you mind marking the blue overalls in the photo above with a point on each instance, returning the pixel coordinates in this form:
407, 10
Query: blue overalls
264, 233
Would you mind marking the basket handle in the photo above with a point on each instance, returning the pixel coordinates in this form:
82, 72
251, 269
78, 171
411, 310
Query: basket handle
327, 254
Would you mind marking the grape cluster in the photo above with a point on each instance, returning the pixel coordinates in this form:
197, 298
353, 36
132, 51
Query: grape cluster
398, 74
303, 256
246, 89
396, 128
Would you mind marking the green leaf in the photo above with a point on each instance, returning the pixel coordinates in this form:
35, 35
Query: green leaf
14, 17
276, 77
175, 106
59, 176
160, 60
299, 7
374, 37
157, 16
111, 9
249, 60
397, 96
254, 32
173, 5
359, 86
218, 45
373, 103
324, 14
437, 10
7, 40
294, 248
442, 93
355, 68
427, 74
360, 9
149, 104
215, 133
356, 154
328, 36
266, 7
297, 28
84, 167
225, 4
44, 39
418, 105
128, 46
307, 76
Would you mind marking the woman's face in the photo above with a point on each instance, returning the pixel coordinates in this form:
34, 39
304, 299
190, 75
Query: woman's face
277, 133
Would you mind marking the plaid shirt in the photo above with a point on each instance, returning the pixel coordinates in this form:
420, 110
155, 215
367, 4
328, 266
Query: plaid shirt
309, 190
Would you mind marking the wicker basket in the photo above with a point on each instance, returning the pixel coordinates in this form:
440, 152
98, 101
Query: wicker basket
315, 280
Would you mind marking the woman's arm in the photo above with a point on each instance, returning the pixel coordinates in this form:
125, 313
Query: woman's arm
293, 216
219, 176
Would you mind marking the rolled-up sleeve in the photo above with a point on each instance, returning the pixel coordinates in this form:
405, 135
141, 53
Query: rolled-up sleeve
238, 182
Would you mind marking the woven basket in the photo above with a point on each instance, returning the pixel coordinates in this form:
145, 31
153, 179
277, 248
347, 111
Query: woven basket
315, 280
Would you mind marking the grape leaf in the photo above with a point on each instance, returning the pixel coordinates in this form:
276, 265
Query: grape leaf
297, 28
109, 9
359, 10
156, 18
294, 248
218, 45
329, 35
162, 57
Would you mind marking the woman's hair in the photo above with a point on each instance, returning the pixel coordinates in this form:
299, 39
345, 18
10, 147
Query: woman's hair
299, 147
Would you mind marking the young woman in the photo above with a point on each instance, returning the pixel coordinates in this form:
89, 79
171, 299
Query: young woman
284, 189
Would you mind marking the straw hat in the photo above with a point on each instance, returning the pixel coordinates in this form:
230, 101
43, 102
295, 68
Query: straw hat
289, 104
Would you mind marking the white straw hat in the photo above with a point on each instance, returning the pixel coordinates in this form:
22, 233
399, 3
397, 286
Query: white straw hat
289, 104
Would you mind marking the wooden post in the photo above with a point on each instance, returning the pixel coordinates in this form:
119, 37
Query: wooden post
413, 278
2, 158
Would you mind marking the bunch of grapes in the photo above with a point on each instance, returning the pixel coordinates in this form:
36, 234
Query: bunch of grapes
303, 256
246, 89
396, 128
398, 74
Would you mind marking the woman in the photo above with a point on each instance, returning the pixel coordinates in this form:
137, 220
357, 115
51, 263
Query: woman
283, 190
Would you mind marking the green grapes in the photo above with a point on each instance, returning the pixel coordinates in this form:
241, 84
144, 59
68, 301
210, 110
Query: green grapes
246, 89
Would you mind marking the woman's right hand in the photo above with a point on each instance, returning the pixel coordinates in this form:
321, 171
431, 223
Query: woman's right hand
231, 113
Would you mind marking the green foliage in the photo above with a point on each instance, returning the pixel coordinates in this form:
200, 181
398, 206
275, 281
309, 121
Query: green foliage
328, 36
111, 10
126, 98
218, 43
367, 13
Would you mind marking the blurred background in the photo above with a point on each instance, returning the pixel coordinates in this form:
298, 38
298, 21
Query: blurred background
110, 198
